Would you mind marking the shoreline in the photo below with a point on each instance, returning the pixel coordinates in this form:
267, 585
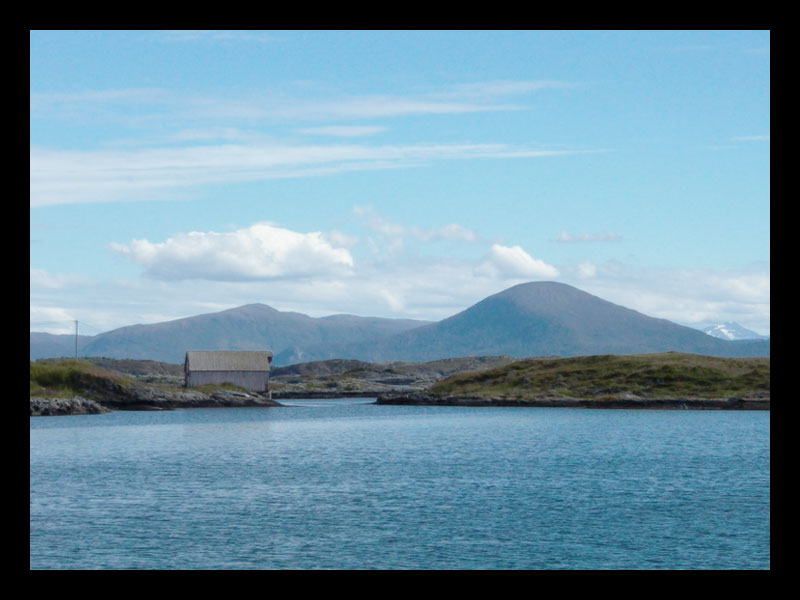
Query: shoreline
45, 407
731, 403
84, 406
320, 394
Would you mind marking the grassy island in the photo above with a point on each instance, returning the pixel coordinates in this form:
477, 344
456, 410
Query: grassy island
663, 380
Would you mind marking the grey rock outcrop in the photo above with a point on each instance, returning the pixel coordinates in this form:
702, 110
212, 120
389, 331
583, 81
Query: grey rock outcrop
78, 405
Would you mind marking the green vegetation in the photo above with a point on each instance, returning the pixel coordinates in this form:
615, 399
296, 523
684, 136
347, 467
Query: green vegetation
666, 375
70, 386
65, 378
137, 367
210, 388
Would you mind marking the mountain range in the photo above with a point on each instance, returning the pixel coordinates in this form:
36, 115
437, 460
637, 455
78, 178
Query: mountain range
530, 319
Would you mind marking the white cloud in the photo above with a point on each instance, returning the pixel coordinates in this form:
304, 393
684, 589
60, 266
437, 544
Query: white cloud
395, 303
422, 287
184, 158
586, 269
61, 177
212, 133
488, 90
686, 296
512, 262
51, 319
41, 279
451, 232
259, 252
337, 238
161, 104
54, 104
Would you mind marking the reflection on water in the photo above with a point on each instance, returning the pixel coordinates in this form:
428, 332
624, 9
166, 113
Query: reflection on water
323, 402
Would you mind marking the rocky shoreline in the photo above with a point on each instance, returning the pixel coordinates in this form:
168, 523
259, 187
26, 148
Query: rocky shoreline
145, 398
730, 403
45, 407
668, 381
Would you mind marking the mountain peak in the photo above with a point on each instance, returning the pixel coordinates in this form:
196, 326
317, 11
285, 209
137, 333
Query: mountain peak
534, 287
731, 330
550, 297
253, 307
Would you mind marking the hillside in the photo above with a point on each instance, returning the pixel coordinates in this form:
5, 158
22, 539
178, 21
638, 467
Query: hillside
250, 327
541, 319
647, 380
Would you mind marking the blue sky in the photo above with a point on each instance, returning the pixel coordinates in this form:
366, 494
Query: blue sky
396, 173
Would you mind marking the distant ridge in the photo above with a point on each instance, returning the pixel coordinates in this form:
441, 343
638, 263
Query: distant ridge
249, 327
530, 319
541, 319
52, 345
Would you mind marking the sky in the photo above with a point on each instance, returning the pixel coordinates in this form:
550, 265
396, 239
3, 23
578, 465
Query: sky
399, 174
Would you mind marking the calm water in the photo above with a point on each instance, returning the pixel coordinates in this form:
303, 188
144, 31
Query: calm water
343, 484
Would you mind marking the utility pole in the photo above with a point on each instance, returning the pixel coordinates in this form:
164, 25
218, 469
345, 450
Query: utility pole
76, 338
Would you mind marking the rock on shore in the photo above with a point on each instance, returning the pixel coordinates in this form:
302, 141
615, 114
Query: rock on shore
151, 398
78, 405
145, 398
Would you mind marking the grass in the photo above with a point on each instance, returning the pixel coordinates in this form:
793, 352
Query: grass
666, 375
66, 378
210, 388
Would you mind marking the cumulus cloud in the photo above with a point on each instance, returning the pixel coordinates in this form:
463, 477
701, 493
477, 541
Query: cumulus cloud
512, 262
337, 238
260, 252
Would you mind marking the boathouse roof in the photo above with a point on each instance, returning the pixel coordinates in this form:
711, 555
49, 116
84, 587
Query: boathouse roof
228, 360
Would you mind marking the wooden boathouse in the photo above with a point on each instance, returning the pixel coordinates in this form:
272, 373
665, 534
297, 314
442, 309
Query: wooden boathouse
246, 369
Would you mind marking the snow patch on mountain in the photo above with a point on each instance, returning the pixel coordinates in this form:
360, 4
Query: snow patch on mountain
732, 331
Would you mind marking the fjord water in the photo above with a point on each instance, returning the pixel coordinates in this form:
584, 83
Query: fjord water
346, 484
